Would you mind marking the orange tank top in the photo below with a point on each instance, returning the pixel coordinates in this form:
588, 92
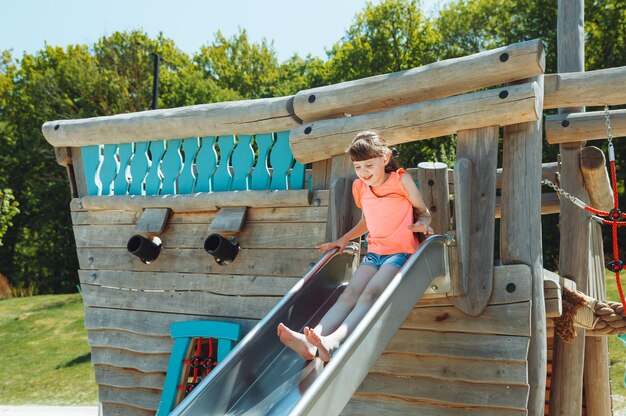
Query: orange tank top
388, 213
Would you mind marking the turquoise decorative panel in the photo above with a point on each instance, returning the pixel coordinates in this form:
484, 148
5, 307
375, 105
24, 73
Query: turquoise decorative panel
243, 159
206, 162
153, 180
138, 168
91, 162
108, 169
222, 177
170, 167
281, 160
187, 178
297, 176
120, 185
260, 178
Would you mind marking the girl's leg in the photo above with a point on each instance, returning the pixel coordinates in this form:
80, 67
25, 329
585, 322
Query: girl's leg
326, 344
346, 301
335, 315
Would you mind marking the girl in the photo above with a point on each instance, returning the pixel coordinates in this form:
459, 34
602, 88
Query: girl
387, 196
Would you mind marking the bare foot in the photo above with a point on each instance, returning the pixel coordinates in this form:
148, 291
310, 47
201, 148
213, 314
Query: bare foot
296, 341
323, 348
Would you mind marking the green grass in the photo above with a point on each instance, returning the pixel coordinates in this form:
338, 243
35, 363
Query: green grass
617, 349
44, 355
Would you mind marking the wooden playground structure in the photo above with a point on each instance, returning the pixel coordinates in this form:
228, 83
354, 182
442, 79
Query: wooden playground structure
271, 176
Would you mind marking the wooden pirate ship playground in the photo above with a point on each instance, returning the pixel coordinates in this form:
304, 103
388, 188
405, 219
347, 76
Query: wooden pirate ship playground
196, 230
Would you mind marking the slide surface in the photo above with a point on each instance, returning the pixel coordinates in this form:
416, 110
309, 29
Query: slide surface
263, 377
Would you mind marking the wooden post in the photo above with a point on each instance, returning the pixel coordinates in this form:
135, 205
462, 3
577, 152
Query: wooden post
520, 238
596, 179
433, 185
342, 211
480, 147
596, 379
567, 371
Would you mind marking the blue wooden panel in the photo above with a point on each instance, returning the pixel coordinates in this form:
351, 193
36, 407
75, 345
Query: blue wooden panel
174, 373
108, 169
187, 178
170, 167
91, 163
153, 180
206, 162
281, 160
243, 159
260, 178
296, 177
206, 329
120, 185
138, 168
222, 177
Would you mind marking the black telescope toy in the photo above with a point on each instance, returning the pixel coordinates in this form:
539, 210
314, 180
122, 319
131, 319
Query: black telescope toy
224, 249
147, 250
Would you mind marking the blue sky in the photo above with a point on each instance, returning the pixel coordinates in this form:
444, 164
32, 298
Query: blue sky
294, 25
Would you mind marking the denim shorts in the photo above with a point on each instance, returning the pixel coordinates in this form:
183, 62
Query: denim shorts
377, 260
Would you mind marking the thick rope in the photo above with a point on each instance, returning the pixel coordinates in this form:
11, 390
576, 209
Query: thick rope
597, 317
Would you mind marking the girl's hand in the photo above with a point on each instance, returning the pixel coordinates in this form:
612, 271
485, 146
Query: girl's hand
329, 246
420, 227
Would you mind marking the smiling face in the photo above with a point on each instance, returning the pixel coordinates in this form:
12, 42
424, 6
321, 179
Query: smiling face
372, 171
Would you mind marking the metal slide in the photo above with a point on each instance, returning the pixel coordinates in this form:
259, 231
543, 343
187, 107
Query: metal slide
263, 377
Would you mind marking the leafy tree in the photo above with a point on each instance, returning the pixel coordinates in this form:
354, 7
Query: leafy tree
8, 210
391, 36
386, 37
296, 74
250, 69
75, 82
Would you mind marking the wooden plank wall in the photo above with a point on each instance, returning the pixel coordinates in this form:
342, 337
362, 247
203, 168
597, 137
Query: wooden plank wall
129, 305
445, 363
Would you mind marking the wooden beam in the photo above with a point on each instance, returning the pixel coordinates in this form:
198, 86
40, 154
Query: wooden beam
596, 178
202, 201
437, 80
520, 237
340, 209
480, 147
596, 381
229, 220
497, 107
567, 360
433, 185
575, 88
153, 220
578, 127
234, 117
462, 217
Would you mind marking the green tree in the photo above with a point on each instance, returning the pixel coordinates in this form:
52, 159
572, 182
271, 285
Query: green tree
250, 69
391, 36
76, 82
386, 37
8, 210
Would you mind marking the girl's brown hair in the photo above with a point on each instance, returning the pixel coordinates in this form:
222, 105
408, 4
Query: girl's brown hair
369, 145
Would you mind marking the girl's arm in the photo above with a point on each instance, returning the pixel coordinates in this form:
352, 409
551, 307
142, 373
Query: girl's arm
414, 195
359, 229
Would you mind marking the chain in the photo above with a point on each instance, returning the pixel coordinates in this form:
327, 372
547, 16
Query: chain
563, 192
609, 135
